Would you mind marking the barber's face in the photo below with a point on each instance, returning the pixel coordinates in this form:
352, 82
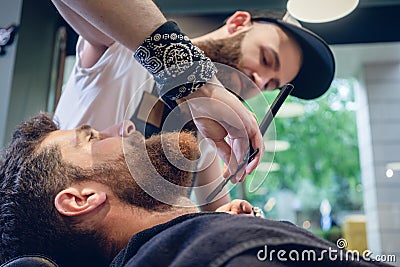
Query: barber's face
85, 147
262, 52
269, 56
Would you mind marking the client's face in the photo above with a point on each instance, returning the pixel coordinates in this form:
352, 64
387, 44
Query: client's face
132, 167
85, 147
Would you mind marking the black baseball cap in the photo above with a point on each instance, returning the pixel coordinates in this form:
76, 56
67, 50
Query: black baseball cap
318, 66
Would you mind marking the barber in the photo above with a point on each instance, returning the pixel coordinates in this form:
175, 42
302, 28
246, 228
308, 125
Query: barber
217, 113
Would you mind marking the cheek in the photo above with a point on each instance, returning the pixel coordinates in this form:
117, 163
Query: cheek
104, 150
249, 57
248, 65
250, 48
81, 158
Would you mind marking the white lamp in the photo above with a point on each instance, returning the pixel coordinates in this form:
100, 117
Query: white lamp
318, 11
268, 167
290, 109
391, 168
276, 145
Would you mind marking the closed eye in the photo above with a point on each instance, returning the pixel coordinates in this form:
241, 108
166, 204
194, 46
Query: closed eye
95, 135
263, 60
88, 132
91, 136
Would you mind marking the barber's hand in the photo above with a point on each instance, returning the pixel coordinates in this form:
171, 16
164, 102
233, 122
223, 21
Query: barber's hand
218, 114
237, 206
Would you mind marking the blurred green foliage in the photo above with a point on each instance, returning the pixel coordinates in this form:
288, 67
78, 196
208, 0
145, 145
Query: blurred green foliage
322, 161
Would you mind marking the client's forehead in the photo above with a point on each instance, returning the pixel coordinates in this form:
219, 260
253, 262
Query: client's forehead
58, 137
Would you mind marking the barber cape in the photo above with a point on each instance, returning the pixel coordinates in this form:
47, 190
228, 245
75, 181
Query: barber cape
220, 239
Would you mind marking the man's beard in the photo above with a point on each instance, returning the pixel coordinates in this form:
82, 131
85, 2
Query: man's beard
228, 52
225, 51
144, 163
138, 177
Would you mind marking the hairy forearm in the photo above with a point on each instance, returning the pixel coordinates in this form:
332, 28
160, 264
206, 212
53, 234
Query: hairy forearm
126, 21
212, 206
89, 32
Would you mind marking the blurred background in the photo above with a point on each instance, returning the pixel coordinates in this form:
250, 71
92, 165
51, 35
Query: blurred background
332, 165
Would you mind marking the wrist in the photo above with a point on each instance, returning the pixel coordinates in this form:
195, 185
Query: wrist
207, 90
179, 68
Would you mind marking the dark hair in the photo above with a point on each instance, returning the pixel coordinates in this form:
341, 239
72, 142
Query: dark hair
268, 14
30, 179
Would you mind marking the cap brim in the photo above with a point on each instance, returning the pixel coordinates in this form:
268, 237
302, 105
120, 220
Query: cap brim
318, 66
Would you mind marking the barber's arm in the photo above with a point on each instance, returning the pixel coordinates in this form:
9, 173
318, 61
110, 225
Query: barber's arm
127, 21
217, 113
96, 41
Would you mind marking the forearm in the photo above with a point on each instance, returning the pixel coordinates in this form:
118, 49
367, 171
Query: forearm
204, 178
80, 25
217, 203
127, 21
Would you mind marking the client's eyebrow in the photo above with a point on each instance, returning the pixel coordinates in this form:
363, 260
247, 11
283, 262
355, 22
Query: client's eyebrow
83, 129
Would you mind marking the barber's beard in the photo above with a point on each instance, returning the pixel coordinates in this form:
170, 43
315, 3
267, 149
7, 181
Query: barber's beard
228, 52
225, 51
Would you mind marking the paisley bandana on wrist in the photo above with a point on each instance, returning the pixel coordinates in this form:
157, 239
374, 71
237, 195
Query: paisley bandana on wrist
179, 68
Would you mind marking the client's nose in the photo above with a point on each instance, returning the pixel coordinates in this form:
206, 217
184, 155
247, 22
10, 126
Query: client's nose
127, 128
123, 129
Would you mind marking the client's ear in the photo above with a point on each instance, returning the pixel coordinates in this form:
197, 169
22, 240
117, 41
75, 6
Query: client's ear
79, 200
238, 21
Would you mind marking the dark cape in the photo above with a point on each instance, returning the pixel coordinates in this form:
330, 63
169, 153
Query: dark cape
220, 239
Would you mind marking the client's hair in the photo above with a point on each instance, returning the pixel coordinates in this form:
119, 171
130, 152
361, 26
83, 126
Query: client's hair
29, 182
30, 179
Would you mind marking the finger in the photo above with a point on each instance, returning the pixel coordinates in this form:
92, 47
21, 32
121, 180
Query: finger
223, 208
225, 153
246, 207
240, 147
240, 206
226, 171
236, 206
256, 142
241, 178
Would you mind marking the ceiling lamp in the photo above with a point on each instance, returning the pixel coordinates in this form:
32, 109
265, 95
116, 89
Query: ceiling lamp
276, 145
290, 109
318, 11
268, 167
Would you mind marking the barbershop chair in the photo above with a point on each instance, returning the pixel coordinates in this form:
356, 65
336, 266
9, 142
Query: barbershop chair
30, 261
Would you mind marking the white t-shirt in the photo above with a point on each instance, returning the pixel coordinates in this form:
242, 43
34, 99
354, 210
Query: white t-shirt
108, 93
104, 94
